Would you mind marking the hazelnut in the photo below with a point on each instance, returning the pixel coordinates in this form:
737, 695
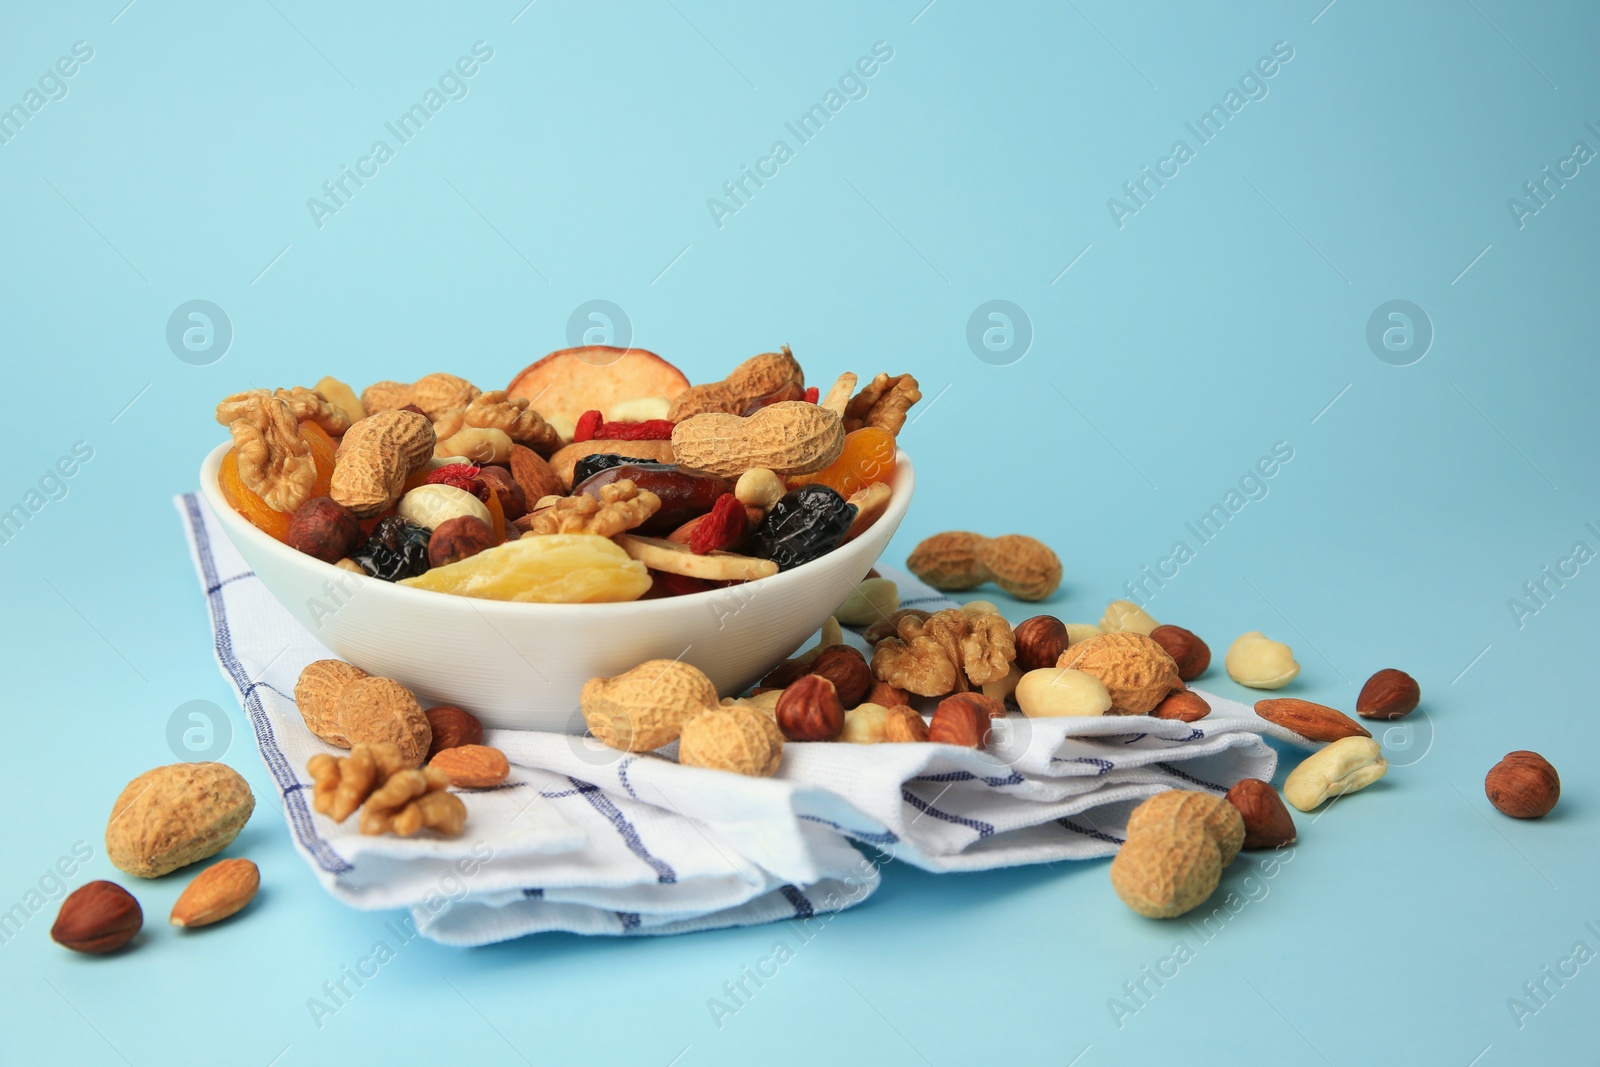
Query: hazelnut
457, 539
97, 917
904, 725
1389, 694
452, 728
1184, 705
809, 710
1523, 785
513, 500
324, 528
848, 671
786, 674
1191, 654
889, 696
1040, 642
963, 719
1267, 822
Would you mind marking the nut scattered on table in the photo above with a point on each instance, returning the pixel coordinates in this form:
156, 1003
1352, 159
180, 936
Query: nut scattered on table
1040, 641
809, 710
1185, 705
1177, 844
1314, 722
872, 599
1258, 662
221, 890
1388, 694
964, 719
1344, 766
96, 918
393, 797
949, 651
848, 671
172, 816
1267, 822
449, 727
1023, 566
1523, 785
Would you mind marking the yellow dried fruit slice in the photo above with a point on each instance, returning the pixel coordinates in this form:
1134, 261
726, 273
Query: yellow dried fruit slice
550, 569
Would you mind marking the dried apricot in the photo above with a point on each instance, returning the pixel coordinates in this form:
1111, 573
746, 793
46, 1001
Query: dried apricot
247, 503
868, 457
548, 569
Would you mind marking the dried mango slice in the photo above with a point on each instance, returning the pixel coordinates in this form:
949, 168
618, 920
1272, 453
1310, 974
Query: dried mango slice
548, 569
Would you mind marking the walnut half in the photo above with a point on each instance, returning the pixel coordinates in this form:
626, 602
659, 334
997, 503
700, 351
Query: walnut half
275, 463
621, 506
950, 651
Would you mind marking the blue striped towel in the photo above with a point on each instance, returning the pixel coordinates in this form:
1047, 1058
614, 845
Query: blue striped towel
589, 840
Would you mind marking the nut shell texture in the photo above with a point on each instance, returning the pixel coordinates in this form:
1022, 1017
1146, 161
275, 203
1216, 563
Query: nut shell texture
736, 738
1135, 670
644, 708
176, 815
317, 694
791, 437
373, 709
375, 458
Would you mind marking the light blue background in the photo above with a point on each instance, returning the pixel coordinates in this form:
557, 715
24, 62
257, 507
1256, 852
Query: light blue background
1228, 314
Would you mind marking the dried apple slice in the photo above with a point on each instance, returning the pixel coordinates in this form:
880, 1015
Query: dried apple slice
672, 558
565, 384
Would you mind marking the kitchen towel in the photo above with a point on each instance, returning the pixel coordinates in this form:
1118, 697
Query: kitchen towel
587, 839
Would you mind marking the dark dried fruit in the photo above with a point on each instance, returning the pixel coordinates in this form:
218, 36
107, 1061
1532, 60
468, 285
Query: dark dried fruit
804, 525
324, 528
457, 539
397, 549
498, 480
684, 494
591, 465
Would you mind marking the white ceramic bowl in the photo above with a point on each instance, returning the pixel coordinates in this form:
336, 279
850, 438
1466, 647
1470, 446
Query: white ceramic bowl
521, 666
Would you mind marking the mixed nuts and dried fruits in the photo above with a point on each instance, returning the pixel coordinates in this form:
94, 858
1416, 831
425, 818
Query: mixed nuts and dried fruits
599, 474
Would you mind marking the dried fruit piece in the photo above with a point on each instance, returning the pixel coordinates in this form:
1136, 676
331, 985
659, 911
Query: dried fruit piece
870, 504
721, 528
564, 463
868, 457
806, 524
564, 384
736, 738
396, 550
683, 494
97, 917
221, 890
674, 558
176, 815
644, 708
552, 569
588, 426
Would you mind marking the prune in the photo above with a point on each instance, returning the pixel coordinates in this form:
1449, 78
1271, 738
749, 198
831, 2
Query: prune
591, 465
684, 493
397, 549
802, 526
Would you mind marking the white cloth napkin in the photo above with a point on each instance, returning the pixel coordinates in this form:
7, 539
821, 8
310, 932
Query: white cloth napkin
586, 839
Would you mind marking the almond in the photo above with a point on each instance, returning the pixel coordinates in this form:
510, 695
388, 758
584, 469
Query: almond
217, 892
97, 917
1267, 822
472, 766
1389, 694
1314, 722
1182, 704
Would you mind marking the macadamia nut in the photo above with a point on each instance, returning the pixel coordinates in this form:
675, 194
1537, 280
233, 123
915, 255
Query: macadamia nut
873, 599
1126, 616
1081, 631
1257, 661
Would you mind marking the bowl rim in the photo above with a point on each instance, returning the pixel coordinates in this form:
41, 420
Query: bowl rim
236, 525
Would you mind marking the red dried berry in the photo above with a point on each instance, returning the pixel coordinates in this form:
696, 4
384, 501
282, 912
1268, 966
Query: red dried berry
588, 426
724, 526
664, 584
458, 475
813, 394
649, 430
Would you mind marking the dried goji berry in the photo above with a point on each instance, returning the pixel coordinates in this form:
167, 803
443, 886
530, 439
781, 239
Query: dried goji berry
722, 527
459, 475
649, 430
813, 394
588, 423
